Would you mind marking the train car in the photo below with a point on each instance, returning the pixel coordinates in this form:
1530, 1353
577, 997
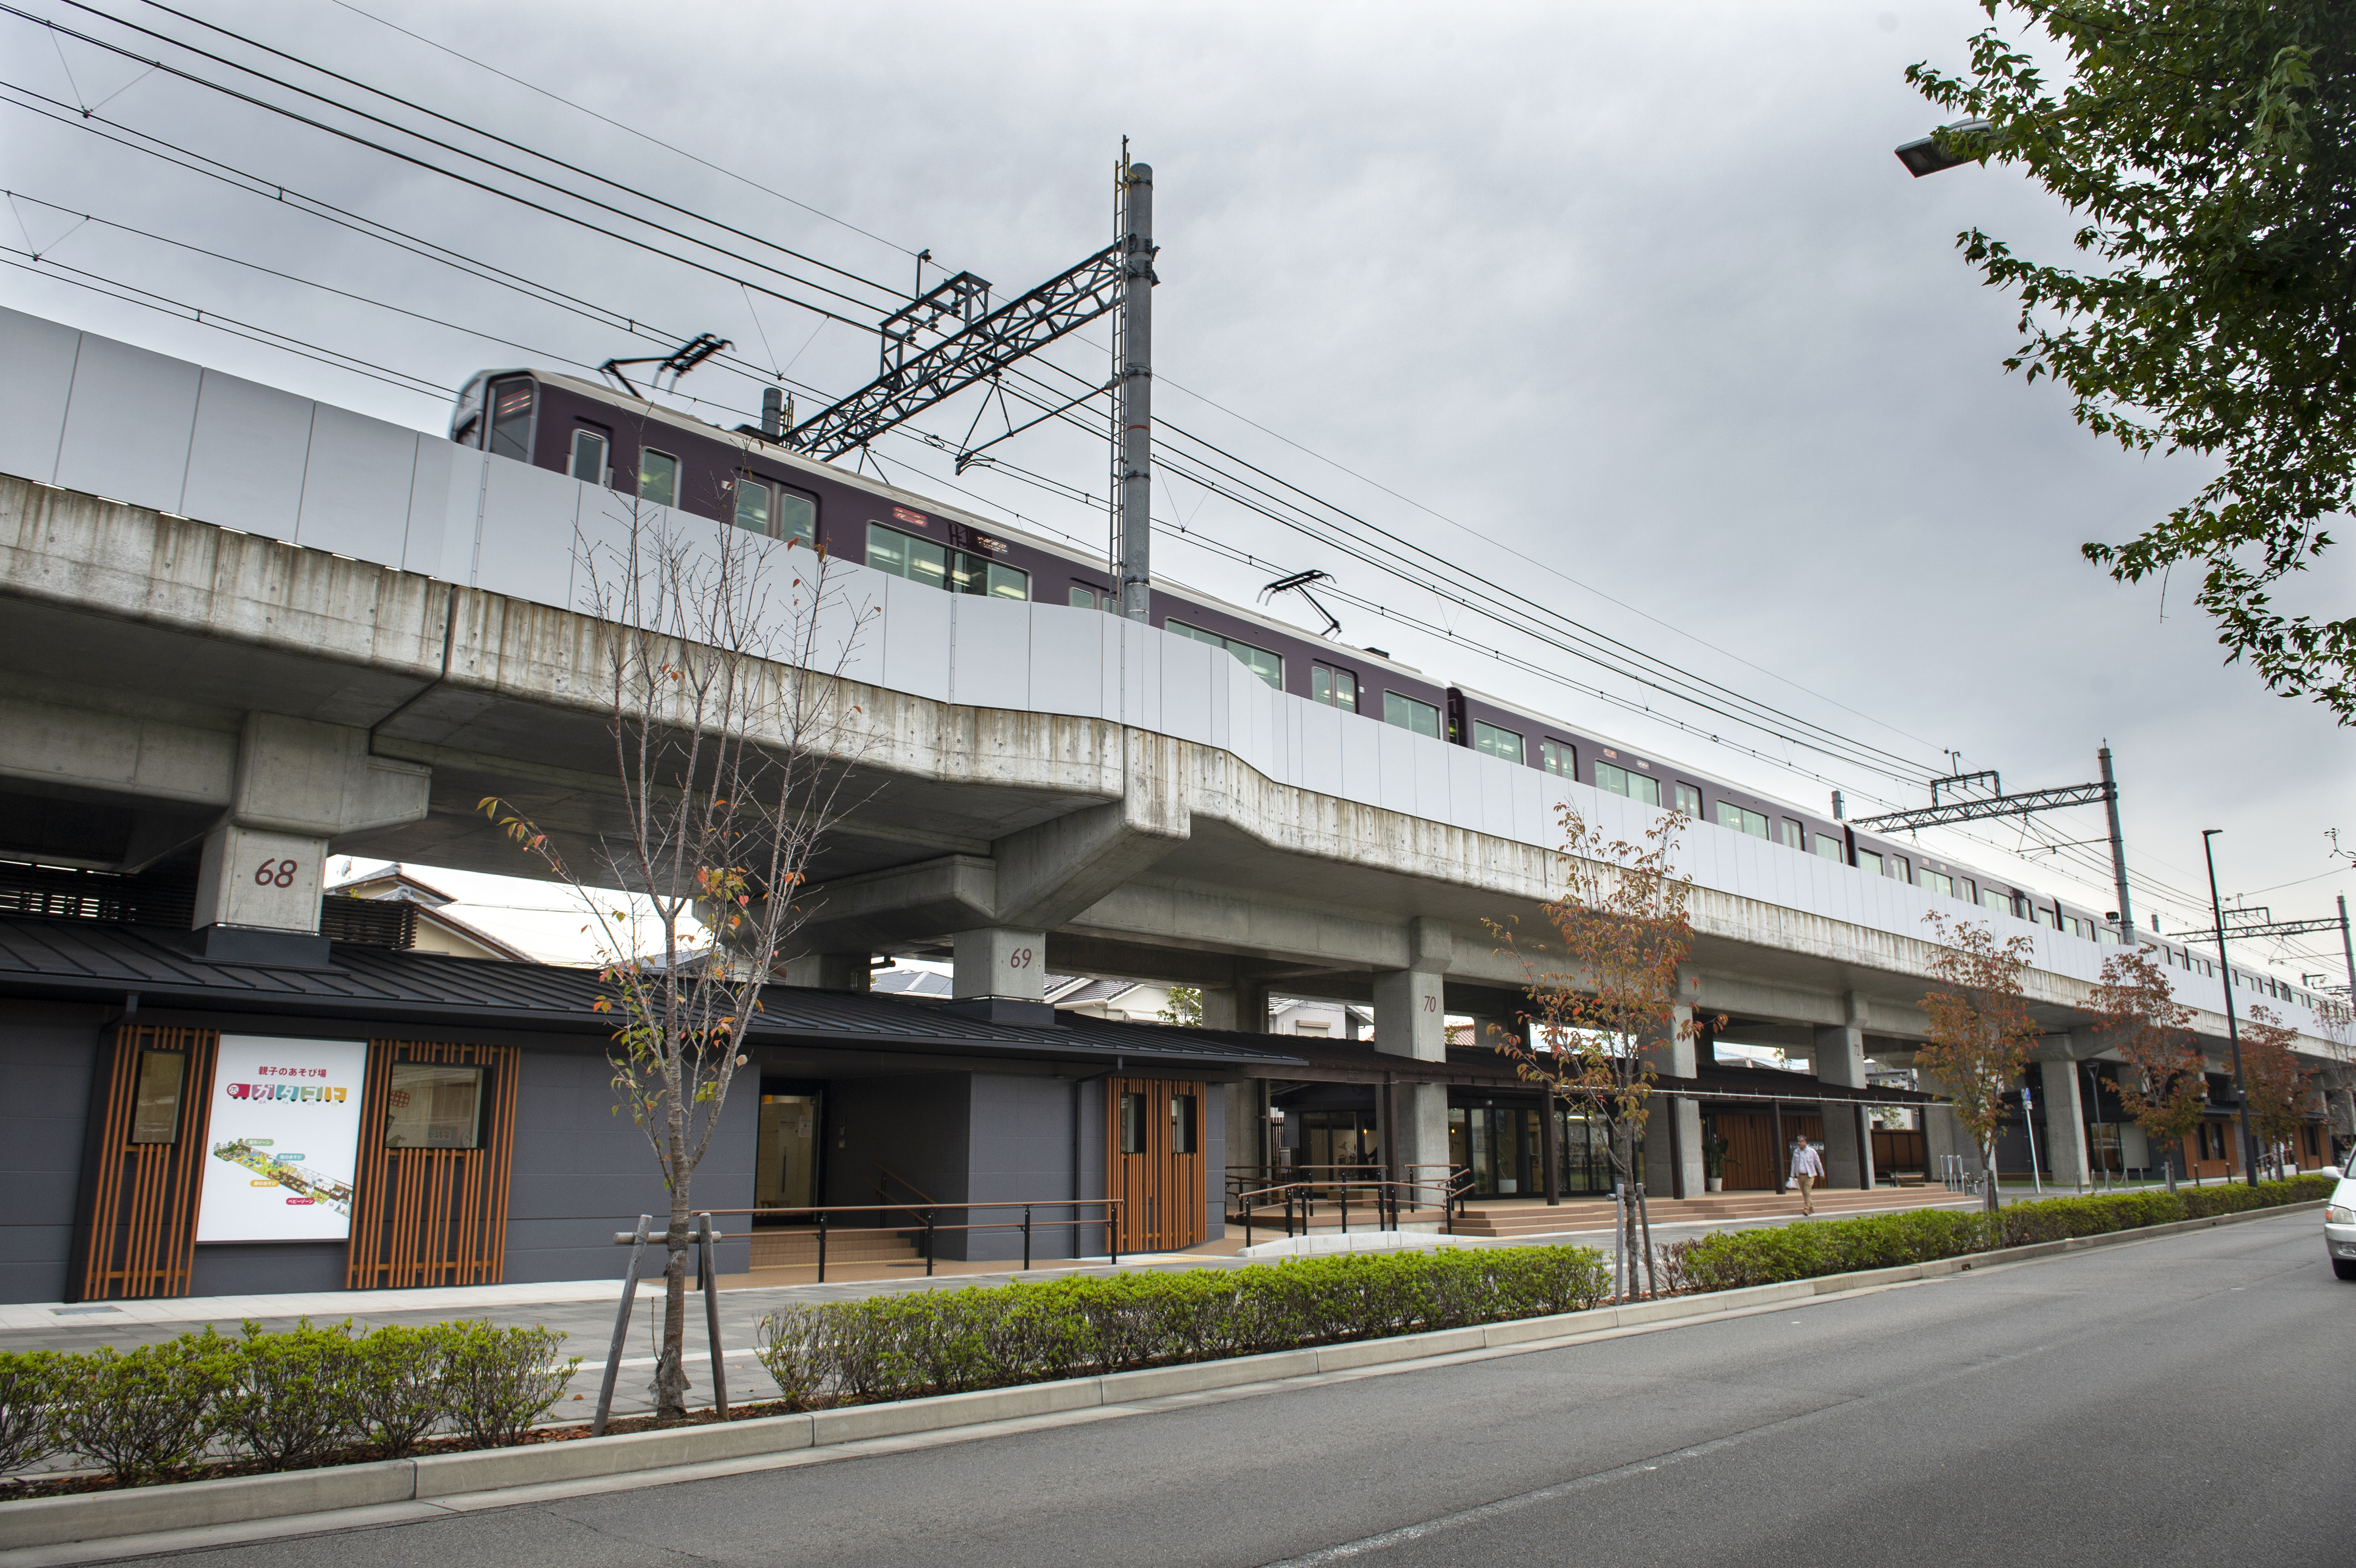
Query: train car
747, 478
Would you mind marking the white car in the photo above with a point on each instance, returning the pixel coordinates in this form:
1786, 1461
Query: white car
2340, 1227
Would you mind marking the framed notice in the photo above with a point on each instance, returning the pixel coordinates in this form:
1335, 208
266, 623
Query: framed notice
283, 1147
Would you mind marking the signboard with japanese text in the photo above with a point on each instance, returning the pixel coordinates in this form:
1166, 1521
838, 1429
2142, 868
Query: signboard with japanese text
284, 1145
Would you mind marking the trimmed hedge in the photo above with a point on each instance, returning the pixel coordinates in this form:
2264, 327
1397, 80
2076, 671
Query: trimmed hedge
900, 1347
1729, 1260
280, 1401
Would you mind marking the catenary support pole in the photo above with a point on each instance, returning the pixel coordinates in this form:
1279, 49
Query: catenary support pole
2232, 1029
1137, 397
2118, 847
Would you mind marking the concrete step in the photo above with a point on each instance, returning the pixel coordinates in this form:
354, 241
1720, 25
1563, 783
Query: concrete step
797, 1247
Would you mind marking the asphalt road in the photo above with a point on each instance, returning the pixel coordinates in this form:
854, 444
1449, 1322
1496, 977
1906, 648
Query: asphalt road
2186, 1400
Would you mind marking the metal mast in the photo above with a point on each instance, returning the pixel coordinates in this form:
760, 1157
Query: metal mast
2118, 847
1135, 547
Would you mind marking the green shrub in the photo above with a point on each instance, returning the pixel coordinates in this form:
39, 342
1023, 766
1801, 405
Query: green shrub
500, 1381
146, 1411
398, 1385
292, 1397
897, 1347
28, 1408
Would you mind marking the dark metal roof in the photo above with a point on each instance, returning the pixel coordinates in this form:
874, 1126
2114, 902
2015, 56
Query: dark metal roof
96, 961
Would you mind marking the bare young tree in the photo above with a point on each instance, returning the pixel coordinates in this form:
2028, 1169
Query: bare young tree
2136, 1013
1979, 1029
2276, 1080
1611, 997
719, 662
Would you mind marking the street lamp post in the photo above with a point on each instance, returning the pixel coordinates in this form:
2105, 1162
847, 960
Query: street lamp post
1930, 155
2233, 1029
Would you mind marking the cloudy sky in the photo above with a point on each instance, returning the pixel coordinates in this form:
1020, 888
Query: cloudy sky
1629, 310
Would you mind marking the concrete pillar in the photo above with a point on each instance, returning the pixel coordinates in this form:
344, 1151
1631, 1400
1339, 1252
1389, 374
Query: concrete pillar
1411, 1019
1246, 1119
1243, 1008
300, 786
829, 971
1839, 1055
1672, 1162
2061, 1100
997, 962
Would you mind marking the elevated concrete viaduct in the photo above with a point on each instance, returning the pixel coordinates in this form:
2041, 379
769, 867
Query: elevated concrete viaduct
1039, 787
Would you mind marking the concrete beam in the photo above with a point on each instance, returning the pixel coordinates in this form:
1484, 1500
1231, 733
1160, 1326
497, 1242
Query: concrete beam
1048, 874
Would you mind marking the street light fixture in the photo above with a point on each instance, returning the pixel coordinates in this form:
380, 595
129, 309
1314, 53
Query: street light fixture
1931, 154
2233, 1029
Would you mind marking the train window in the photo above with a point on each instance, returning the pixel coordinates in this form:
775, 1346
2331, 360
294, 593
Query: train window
938, 566
1869, 862
511, 420
1793, 838
1083, 598
588, 461
1269, 666
763, 507
658, 478
1334, 688
1614, 780
1559, 759
1492, 742
1996, 898
1829, 847
1741, 819
1902, 869
1689, 800
1408, 714
2044, 917
1967, 891
1938, 882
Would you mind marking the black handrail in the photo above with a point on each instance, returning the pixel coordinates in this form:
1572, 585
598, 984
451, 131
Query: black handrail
1110, 1223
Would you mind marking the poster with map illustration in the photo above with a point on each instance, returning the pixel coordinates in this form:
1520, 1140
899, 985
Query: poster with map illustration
283, 1144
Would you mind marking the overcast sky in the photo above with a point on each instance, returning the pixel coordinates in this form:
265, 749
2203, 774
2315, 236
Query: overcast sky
1628, 308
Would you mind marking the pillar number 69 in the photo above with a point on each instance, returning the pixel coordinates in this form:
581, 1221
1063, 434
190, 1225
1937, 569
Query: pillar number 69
276, 874
1019, 958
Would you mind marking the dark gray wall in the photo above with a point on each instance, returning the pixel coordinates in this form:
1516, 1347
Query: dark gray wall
46, 1054
916, 1126
1215, 1157
1022, 1141
266, 1268
583, 1171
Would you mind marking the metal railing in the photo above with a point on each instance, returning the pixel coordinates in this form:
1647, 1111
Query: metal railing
925, 1221
1383, 1201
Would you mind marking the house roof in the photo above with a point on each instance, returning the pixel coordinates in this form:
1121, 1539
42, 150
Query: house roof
93, 960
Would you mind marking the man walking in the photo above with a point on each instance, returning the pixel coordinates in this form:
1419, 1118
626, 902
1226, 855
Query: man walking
1807, 1168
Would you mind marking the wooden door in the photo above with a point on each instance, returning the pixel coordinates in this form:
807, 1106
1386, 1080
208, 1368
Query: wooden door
1153, 1156
1750, 1151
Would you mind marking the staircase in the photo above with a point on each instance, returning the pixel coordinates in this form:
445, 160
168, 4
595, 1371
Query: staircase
796, 1246
1532, 1217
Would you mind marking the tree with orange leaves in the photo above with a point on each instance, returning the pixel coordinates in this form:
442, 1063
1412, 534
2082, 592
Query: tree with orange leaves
2137, 1015
1978, 1026
1609, 997
2276, 1085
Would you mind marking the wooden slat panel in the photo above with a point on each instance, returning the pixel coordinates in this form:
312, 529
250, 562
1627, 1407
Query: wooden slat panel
143, 1227
428, 1216
1163, 1192
1751, 1150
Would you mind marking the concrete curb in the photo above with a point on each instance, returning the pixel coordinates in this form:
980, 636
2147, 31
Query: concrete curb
143, 1510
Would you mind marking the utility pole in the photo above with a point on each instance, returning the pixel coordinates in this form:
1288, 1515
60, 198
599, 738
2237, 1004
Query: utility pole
2233, 1029
2118, 847
1136, 584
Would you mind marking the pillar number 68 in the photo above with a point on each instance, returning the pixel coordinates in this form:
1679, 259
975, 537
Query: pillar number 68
276, 874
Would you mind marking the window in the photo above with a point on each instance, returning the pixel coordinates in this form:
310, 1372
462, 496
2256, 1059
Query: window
155, 1106
1408, 714
1490, 740
431, 1105
511, 420
1690, 801
1269, 666
2104, 934
1612, 780
1869, 862
658, 478
1334, 688
1741, 819
1133, 1123
1083, 598
1793, 838
1829, 847
938, 566
588, 461
1967, 891
1902, 869
1302, 1025
1996, 898
763, 507
1181, 1124
1559, 759
1938, 882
